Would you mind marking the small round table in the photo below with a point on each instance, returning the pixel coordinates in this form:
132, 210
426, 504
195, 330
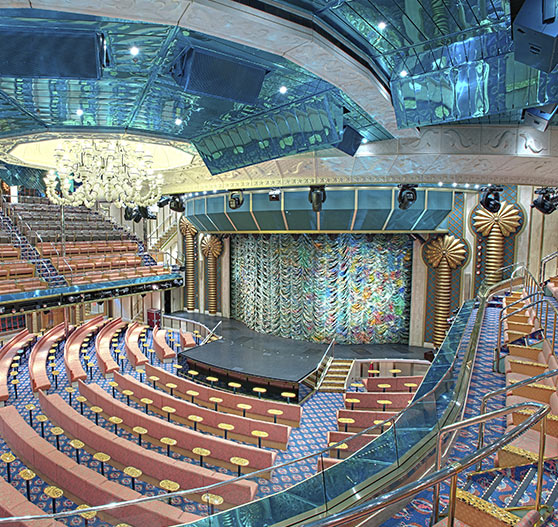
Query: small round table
346, 421
96, 410
288, 395
235, 386
195, 419
169, 486
56, 431
147, 401
259, 390
244, 407
352, 401
192, 394
384, 386
139, 430
81, 399
384, 403
115, 420
177, 366
226, 427
239, 462
141, 371
395, 371
212, 379
78, 445
168, 441
410, 385
373, 372
171, 386
102, 458
69, 390
54, 492
275, 413
113, 385
14, 383
357, 386
169, 410
8, 457
42, 419
216, 401
154, 379
341, 446
86, 515
133, 473
260, 435
27, 475
201, 452
128, 394
212, 500
30, 408
193, 373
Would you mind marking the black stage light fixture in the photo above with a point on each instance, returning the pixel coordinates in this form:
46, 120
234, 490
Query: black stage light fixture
177, 204
317, 196
236, 199
547, 200
128, 213
490, 198
146, 213
274, 194
407, 196
163, 201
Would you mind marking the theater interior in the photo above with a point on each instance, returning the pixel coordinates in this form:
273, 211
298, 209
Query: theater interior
277, 263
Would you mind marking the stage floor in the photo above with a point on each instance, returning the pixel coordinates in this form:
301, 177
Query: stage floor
251, 353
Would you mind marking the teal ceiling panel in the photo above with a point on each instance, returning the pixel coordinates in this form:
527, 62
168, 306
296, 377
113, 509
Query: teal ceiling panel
242, 217
404, 220
374, 208
201, 214
298, 211
338, 210
439, 205
216, 211
268, 213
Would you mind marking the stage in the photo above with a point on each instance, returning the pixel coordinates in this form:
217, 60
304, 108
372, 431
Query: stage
244, 352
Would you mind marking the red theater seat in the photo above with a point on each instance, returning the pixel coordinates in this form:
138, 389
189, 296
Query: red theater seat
106, 363
164, 352
39, 354
133, 352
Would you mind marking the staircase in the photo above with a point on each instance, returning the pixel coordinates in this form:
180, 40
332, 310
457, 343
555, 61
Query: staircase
165, 237
335, 379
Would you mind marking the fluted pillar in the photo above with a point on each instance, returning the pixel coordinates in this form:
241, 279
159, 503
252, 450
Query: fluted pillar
189, 232
211, 248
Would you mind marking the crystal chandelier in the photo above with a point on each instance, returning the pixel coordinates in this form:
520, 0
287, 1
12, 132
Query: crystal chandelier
87, 170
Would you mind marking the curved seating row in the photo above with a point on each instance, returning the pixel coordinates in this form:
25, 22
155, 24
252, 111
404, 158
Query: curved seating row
80, 483
39, 354
292, 413
187, 340
105, 361
164, 352
355, 443
14, 503
278, 434
373, 400
7, 354
131, 339
396, 384
72, 348
154, 465
187, 439
362, 419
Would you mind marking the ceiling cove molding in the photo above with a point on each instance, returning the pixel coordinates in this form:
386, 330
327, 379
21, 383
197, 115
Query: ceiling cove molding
245, 25
512, 155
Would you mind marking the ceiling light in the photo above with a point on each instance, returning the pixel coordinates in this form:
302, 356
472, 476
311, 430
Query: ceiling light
178, 121
382, 26
364, 140
547, 201
490, 198
477, 186
467, 185
454, 184
79, 112
403, 73
317, 196
407, 196
283, 90
440, 183
134, 50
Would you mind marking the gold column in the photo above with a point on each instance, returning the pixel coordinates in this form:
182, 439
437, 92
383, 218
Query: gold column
189, 232
444, 254
496, 226
211, 248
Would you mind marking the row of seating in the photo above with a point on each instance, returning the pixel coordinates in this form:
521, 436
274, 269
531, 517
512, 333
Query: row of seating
16, 268
115, 274
105, 360
19, 285
74, 264
50, 249
8, 251
164, 352
80, 483
131, 344
14, 347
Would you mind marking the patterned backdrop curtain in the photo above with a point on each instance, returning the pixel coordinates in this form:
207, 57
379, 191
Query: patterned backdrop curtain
354, 288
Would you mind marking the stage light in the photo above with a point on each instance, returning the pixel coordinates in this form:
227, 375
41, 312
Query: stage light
317, 196
407, 196
403, 73
236, 199
134, 50
274, 194
382, 26
79, 112
128, 213
547, 200
163, 201
490, 198
283, 90
176, 204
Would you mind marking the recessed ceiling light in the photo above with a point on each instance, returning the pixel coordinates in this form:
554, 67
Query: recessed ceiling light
382, 26
403, 73
134, 50
178, 121
440, 183
364, 140
204, 192
477, 185
214, 191
283, 89
467, 185
454, 184
79, 112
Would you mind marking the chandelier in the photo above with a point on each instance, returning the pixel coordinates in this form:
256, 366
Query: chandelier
87, 170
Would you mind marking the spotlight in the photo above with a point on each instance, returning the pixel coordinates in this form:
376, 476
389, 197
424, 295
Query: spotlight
178, 121
144, 212
236, 199
490, 198
407, 196
274, 194
134, 50
163, 201
177, 204
317, 196
128, 213
547, 201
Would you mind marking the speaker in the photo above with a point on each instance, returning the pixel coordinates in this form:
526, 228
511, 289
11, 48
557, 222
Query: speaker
350, 141
206, 72
535, 34
539, 117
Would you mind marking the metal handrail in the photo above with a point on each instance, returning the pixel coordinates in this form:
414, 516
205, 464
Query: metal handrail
320, 379
542, 269
154, 232
211, 333
411, 489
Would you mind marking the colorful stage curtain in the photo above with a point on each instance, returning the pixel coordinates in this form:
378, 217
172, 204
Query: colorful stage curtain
355, 288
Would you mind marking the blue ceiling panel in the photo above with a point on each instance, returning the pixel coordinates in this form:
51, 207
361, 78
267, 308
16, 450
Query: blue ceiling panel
338, 210
268, 213
298, 211
216, 210
374, 208
403, 220
438, 207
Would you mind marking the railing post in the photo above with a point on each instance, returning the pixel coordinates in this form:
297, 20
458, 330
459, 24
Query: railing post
452, 501
540, 465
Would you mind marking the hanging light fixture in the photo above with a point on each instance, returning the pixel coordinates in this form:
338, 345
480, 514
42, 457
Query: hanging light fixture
90, 169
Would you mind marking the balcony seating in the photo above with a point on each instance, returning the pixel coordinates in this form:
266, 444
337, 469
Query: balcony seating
115, 274
72, 347
8, 251
7, 353
221, 450
133, 352
164, 352
80, 483
397, 384
292, 413
50, 249
17, 269
76, 264
19, 285
370, 400
154, 466
38, 357
14, 503
187, 340
278, 435
105, 361
362, 419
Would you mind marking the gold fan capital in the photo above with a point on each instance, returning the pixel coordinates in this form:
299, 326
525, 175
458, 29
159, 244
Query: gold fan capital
448, 248
211, 245
506, 220
186, 227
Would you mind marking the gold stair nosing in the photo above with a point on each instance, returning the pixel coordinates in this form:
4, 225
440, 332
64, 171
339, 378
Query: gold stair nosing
501, 515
